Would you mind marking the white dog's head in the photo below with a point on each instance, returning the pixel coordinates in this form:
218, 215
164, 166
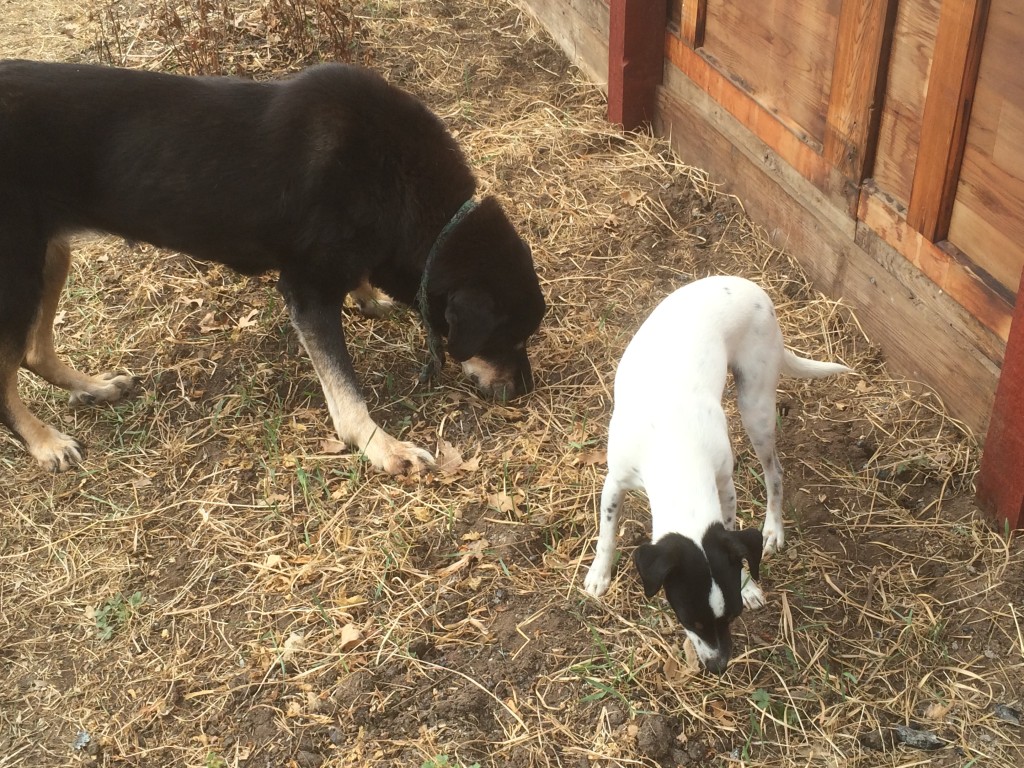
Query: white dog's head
702, 584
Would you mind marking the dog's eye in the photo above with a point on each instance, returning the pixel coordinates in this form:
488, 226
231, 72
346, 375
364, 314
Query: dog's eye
698, 626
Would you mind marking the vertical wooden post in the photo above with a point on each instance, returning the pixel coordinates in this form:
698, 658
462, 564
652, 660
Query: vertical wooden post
694, 18
947, 112
1000, 481
636, 59
863, 44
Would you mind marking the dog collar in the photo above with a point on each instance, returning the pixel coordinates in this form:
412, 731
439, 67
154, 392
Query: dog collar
433, 366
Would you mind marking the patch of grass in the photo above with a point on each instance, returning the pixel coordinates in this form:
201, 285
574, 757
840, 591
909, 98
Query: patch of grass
114, 613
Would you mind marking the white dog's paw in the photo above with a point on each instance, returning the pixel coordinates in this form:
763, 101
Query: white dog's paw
753, 596
774, 537
597, 582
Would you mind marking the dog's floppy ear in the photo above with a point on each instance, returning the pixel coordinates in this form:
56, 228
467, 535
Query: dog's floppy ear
653, 564
471, 317
747, 544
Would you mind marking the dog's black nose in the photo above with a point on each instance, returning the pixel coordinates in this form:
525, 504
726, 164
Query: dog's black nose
717, 665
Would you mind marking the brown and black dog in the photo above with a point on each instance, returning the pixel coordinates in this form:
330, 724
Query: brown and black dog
333, 177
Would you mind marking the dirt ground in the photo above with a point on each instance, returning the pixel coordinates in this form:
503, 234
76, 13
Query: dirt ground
218, 586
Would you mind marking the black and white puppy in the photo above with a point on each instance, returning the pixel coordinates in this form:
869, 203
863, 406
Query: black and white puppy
333, 178
668, 436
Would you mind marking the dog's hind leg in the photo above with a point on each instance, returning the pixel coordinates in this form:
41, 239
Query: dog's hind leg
40, 355
316, 316
599, 577
755, 396
371, 302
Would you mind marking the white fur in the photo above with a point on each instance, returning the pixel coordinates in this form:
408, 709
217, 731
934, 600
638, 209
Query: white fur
668, 433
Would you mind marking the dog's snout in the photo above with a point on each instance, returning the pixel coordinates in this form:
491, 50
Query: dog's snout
716, 665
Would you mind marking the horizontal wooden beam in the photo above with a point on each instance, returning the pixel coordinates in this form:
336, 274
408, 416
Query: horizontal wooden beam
952, 275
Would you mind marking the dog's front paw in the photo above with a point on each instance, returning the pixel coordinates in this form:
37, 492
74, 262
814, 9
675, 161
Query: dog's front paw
399, 458
57, 452
597, 581
105, 388
774, 538
753, 596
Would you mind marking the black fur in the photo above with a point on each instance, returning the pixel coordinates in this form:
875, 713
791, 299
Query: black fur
330, 177
686, 571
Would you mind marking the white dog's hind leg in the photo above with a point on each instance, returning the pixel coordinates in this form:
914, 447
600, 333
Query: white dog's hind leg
755, 396
600, 574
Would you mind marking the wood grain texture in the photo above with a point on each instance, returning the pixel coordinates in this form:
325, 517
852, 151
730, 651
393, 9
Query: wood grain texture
863, 43
954, 275
988, 212
580, 27
947, 111
693, 22
924, 334
734, 100
781, 51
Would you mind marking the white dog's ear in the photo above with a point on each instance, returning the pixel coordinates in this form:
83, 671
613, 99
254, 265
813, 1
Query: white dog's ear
747, 545
653, 563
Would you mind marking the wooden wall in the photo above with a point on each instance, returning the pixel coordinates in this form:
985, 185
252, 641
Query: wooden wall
988, 213
882, 141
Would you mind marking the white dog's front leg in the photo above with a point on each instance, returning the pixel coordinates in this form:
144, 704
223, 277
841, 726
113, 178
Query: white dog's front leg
753, 596
599, 577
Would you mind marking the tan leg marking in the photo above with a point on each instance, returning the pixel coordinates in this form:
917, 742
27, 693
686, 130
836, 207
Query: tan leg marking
40, 355
370, 301
53, 450
354, 425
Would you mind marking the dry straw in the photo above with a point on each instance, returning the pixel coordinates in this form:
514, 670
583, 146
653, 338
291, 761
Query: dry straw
217, 586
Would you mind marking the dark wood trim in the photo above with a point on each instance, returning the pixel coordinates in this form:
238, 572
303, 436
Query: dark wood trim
863, 45
636, 59
947, 112
1000, 480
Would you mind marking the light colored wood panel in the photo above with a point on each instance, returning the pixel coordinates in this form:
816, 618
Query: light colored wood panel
780, 51
580, 27
924, 334
988, 214
862, 54
801, 159
954, 276
947, 109
900, 129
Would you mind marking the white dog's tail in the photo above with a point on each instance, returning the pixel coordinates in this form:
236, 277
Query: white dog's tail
803, 368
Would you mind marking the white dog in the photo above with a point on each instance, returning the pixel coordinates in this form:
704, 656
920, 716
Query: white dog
668, 436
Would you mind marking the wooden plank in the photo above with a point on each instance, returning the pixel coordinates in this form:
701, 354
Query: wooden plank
1000, 480
636, 59
947, 111
910, 60
858, 85
694, 19
580, 27
762, 123
953, 275
988, 213
782, 51
923, 333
